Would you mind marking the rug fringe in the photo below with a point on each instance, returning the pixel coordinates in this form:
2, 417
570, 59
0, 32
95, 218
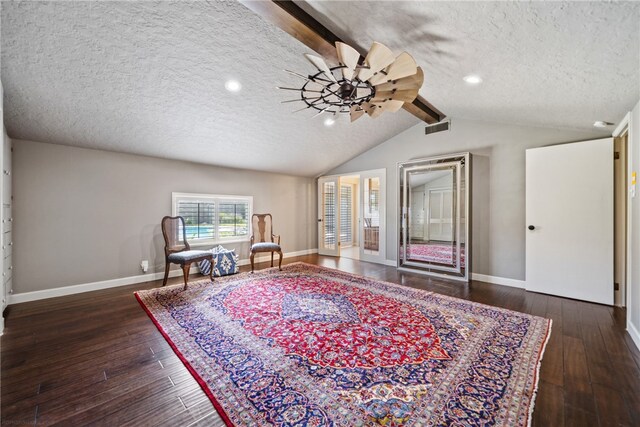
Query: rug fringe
536, 379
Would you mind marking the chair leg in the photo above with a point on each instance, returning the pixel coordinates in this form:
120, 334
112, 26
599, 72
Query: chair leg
185, 271
251, 258
166, 272
279, 261
271, 258
211, 271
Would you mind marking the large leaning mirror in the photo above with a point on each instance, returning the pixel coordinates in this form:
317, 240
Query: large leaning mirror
433, 219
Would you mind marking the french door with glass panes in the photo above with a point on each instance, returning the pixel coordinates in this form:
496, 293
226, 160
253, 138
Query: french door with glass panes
328, 216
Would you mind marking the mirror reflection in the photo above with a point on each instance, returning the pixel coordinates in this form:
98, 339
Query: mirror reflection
433, 211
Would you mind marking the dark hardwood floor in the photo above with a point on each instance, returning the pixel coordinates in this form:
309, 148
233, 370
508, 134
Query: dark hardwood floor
97, 359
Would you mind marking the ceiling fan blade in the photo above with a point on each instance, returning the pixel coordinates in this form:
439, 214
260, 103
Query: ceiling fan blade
373, 110
366, 106
320, 65
411, 82
349, 57
356, 112
379, 57
392, 106
376, 111
403, 66
400, 95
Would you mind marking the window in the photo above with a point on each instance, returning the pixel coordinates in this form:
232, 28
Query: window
210, 218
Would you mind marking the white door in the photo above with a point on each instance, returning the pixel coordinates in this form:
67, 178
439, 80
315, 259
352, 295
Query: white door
328, 217
569, 218
373, 218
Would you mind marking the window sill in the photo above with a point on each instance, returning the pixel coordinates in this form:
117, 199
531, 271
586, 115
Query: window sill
217, 242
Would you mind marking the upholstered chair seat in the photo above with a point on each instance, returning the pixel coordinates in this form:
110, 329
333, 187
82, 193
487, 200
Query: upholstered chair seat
265, 247
184, 256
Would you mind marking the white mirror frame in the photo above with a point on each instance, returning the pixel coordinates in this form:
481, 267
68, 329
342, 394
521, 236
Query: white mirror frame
461, 164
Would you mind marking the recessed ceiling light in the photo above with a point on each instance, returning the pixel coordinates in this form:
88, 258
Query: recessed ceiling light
329, 121
601, 124
472, 79
233, 85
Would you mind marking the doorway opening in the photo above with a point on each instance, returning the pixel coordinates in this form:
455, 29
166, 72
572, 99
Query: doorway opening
351, 216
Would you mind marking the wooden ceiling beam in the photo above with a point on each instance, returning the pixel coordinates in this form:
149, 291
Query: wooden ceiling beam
292, 19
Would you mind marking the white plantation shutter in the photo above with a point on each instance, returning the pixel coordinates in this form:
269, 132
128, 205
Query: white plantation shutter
346, 214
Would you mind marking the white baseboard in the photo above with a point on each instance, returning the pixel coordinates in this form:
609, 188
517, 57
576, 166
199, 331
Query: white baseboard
515, 283
88, 287
390, 262
264, 258
124, 281
635, 335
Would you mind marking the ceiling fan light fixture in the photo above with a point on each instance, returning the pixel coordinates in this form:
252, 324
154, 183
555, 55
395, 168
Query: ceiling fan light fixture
351, 86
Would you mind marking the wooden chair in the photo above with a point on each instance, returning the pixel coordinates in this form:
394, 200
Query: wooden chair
177, 249
262, 229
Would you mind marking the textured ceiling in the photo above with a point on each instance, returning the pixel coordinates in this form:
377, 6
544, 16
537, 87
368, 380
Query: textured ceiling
148, 78
552, 64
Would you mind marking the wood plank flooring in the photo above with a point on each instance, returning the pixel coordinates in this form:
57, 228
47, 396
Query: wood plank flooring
97, 359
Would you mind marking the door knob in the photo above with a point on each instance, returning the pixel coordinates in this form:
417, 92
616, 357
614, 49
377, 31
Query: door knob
531, 227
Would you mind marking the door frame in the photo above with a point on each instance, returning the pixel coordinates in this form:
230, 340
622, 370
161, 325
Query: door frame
621, 128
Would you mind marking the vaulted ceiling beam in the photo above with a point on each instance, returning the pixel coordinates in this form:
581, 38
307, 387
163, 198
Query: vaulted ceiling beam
289, 17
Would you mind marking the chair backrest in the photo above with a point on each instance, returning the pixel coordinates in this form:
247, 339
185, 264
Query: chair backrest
175, 234
262, 228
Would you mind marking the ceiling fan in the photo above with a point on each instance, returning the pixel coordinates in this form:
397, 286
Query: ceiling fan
378, 83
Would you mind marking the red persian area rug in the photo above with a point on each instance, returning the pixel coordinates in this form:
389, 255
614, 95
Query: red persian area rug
318, 347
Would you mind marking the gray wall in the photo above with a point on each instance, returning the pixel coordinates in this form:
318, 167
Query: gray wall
498, 180
85, 215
